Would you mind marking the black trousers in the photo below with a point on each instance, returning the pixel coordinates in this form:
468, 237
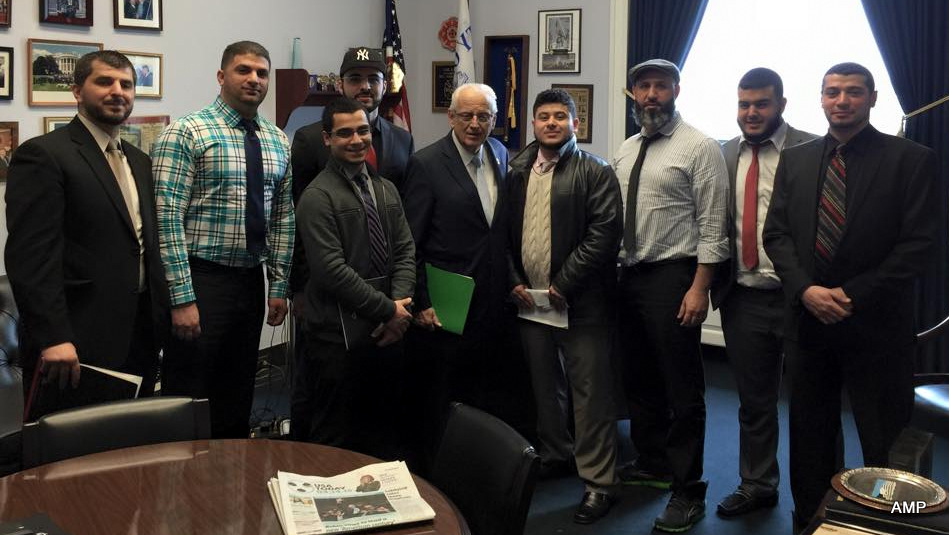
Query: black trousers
220, 365
663, 372
753, 321
879, 383
354, 396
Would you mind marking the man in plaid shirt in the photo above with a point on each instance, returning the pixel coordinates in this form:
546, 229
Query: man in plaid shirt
223, 188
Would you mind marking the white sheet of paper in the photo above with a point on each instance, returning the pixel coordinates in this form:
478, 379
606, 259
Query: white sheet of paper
543, 312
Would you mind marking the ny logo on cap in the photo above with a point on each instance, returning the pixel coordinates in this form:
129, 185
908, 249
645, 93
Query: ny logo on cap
362, 54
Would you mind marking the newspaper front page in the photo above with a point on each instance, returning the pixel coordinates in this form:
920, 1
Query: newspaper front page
375, 495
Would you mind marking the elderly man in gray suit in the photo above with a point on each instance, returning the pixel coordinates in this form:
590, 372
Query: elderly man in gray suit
747, 289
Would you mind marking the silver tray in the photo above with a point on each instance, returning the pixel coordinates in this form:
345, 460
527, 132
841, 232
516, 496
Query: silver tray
880, 488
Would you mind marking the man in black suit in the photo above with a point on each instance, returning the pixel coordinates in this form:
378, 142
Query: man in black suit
748, 291
362, 77
454, 204
82, 254
849, 228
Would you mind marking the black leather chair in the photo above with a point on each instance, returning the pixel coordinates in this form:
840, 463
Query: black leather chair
931, 407
109, 426
487, 469
11, 393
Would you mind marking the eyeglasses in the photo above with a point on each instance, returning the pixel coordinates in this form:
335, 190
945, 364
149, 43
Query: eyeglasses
483, 118
357, 79
346, 133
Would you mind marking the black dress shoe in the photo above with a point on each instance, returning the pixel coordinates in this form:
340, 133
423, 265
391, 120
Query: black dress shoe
593, 507
742, 501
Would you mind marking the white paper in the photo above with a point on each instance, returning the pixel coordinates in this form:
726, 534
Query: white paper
543, 312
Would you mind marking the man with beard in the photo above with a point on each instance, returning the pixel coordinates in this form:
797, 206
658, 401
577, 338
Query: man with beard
453, 201
566, 226
749, 291
82, 254
222, 179
849, 229
675, 185
362, 77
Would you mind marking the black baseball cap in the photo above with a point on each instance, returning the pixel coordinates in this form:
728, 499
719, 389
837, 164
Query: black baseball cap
362, 56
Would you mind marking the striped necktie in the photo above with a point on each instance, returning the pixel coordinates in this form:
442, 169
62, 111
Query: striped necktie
377, 237
831, 212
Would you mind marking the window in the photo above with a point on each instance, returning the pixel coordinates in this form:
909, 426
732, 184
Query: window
800, 39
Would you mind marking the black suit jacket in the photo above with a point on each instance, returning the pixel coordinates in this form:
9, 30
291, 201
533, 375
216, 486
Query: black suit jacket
72, 255
449, 226
886, 239
309, 155
726, 273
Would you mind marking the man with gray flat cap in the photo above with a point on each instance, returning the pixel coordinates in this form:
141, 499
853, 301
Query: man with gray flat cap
674, 185
362, 78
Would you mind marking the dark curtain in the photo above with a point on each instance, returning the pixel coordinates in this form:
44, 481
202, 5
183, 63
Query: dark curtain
660, 30
914, 43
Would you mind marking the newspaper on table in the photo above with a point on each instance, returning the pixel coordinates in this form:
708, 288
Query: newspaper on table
381, 494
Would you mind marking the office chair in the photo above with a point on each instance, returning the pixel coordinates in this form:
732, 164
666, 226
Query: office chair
487, 469
109, 426
931, 406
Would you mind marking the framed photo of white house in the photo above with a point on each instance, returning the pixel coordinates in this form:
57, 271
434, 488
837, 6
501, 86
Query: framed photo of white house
137, 14
558, 33
50, 70
148, 73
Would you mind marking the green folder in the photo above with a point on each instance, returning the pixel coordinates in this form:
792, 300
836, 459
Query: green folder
450, 294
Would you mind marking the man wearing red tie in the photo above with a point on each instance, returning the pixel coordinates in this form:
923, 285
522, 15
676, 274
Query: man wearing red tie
747, 289
849, 229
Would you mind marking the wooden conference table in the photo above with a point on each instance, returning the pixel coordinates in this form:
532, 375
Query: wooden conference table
195, 487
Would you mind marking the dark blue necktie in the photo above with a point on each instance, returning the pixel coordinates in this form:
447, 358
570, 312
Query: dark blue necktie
255, 224
377, 237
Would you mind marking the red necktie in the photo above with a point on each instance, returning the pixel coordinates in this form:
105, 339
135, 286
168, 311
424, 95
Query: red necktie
749, 216
371, 158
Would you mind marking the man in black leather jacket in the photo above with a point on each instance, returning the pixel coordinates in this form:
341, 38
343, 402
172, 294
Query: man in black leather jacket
565, 233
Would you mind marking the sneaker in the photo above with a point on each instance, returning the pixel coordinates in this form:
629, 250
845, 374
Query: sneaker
633, 474
685, 508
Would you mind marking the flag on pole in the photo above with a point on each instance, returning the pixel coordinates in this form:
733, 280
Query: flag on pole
464, 47
392, 43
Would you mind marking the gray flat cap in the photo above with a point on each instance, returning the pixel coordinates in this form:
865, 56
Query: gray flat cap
665, 66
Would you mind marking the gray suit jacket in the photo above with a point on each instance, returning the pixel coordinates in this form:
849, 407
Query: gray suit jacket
727, 272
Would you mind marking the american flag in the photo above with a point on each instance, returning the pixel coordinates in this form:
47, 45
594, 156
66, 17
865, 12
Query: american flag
392, 43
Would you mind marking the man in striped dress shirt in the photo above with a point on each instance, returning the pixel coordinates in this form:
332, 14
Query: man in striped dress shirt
675, 190
223, 188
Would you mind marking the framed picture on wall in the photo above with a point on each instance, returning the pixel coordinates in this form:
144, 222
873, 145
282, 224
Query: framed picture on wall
143, 130
583, 98
72, 12
9, 141
559, 35
50, 70
148, 73
6, 73
55, 123
5, 7
443, 85
506, 71
137, 14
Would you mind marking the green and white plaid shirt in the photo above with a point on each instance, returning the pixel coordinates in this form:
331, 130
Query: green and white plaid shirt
201, 188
